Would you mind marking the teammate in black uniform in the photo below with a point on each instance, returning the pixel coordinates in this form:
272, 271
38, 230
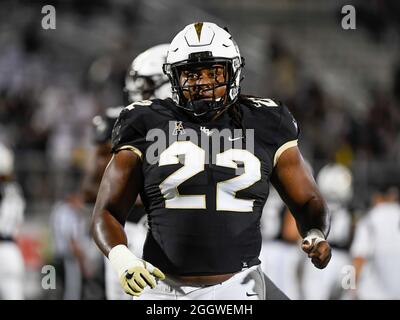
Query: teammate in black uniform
144, 80
202, 162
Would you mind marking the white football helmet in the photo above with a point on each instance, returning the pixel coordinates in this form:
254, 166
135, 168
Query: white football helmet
335, 182
145, 78
6, 161
204, 44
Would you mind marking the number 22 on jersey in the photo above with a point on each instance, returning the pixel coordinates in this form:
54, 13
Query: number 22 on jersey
194, 163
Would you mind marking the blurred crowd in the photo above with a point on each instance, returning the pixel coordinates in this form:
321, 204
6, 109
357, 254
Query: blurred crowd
52, 84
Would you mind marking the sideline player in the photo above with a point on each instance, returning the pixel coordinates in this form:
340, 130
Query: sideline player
12, 206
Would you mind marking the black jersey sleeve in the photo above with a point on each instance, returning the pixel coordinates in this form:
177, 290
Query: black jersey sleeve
130, 131
287, 132
275, 126
288, 127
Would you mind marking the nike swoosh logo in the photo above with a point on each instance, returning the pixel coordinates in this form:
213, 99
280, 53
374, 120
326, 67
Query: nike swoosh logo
251, 294
233, 139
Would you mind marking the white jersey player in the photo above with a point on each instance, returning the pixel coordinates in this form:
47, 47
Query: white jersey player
376, 248
12, 206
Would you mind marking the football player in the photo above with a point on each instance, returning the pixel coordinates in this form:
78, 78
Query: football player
376, 246
12, 206
204, 207
144, 80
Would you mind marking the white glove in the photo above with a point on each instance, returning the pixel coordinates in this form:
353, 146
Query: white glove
134, 273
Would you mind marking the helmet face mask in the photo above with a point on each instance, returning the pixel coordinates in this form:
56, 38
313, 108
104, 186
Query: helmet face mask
193, 50
202, 86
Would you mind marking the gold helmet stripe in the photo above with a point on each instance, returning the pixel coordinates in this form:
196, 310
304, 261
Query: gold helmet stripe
198, 26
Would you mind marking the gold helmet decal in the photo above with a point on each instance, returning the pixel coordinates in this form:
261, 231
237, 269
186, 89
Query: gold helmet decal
198, 26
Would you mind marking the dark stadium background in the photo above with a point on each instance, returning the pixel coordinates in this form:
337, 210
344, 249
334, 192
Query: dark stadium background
343, 86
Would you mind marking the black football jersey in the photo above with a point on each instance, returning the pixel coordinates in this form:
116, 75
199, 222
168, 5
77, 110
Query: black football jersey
205, 183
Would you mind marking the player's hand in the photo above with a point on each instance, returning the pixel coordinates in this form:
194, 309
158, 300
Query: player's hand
317, 248
138, 276
134, 274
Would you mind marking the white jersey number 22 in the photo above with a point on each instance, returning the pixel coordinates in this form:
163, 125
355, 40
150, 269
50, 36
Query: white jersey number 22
194, 161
